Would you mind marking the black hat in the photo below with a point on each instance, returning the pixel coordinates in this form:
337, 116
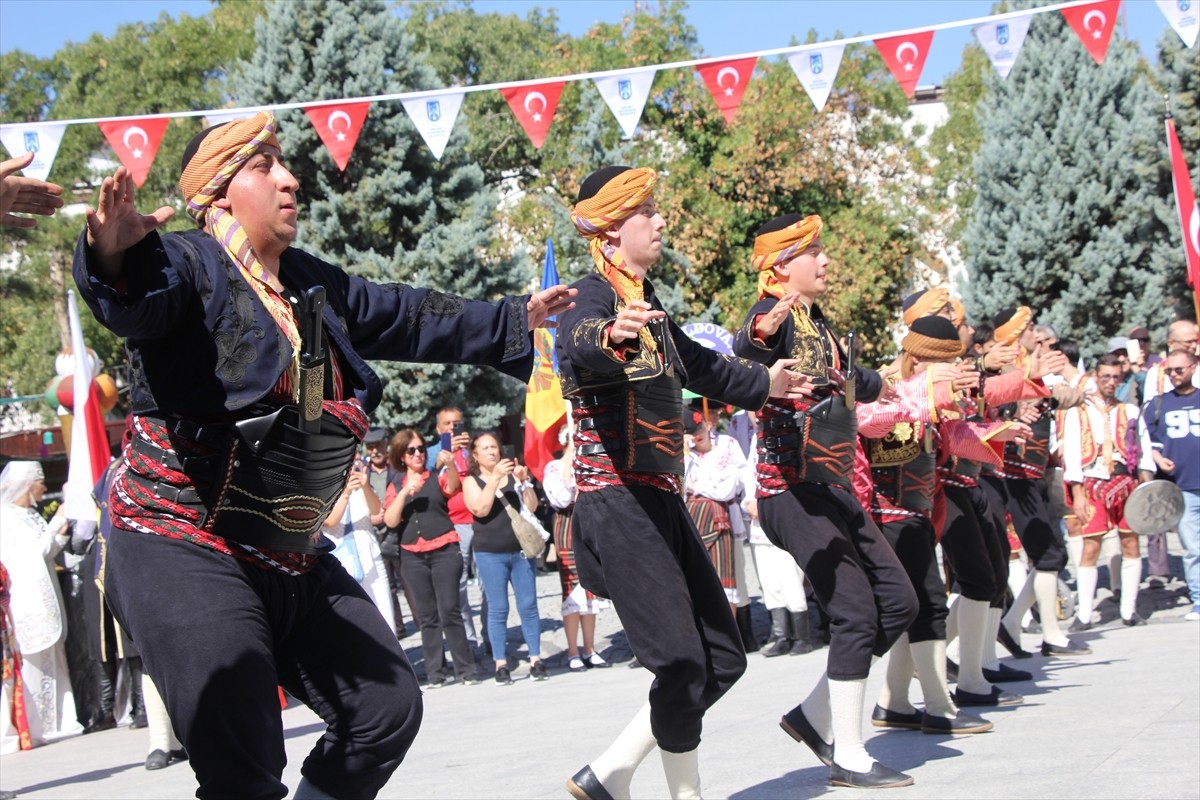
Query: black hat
596, 181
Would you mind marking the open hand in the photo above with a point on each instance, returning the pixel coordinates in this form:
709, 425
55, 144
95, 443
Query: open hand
769, 323
631, 319
785, 382
116, 225
20, 195
548, 303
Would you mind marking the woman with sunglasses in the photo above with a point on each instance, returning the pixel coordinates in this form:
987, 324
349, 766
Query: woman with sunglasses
431, 560
498, 555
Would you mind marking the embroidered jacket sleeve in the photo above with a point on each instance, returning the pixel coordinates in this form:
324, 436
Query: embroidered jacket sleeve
972, 440
919, 400
1011, 386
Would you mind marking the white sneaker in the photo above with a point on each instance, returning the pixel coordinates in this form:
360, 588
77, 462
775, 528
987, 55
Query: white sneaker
1194, 614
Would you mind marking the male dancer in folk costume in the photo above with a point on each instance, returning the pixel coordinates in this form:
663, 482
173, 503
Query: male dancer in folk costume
1100, 471
623, 365
216, 565
806, 454
903, 441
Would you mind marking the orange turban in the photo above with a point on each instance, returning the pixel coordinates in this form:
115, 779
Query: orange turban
959, 312
933, 338
778, 242
620, 192
214, 156
924, 303
1010, 324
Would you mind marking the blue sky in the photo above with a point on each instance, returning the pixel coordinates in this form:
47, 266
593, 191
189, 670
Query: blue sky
725, 27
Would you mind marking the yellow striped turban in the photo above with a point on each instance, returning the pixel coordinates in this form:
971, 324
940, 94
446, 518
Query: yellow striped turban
1011, 323
924, 303
778, 242
215, 155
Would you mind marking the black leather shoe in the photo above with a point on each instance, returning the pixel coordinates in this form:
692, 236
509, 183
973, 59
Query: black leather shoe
1006, 674
963, 723
159, 759
102, 723
1011, 645
1079, 627
138, 721
584, 785
1069, 649
886, 718
880, 777
1133, 621
797, 726
997, 697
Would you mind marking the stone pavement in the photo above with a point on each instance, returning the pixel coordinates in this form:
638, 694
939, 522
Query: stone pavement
1121, 723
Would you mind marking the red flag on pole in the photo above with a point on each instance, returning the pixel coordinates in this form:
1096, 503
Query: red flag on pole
727, 82
1094, 24
136, 143
534, 108
905, 56
89, 455
1189, 213
339, 126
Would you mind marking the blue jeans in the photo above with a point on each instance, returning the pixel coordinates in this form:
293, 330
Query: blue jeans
1189, 537
497, 570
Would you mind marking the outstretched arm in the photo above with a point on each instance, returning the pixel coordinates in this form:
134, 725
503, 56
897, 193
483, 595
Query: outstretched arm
115, 225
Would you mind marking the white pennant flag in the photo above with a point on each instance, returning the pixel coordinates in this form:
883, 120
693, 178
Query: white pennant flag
626, 96
40, 138
1184, 16
1002, 40
214, 118
434, 118
817, 69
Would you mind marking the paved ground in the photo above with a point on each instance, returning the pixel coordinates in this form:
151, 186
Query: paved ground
1122, 723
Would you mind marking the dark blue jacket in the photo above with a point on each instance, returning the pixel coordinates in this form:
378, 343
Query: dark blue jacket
201, 343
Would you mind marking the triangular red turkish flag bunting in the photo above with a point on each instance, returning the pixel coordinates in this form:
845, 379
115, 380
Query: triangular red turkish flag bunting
905, 57
534, 108
135, 143
339, 127
1094, 24
1189, 212
727, 82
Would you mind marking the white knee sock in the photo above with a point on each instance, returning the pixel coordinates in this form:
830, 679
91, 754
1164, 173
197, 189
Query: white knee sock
683, 774
1131, 577
1075, 550
990, 658
894, 694
846, 703
973, 629
162, 735
816, 709
1085, 582
1023, 597
1045, 584
952, 643
930, 658
615, 768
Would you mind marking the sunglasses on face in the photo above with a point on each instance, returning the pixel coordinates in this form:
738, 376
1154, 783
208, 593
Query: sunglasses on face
1176, 370
414, 449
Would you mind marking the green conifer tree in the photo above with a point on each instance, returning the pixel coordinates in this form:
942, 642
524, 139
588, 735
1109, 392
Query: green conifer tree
1072, 195
396, 214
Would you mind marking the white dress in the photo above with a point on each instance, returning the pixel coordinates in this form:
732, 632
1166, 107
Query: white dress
27, 548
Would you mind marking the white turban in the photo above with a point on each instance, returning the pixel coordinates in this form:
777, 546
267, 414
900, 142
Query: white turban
17, 479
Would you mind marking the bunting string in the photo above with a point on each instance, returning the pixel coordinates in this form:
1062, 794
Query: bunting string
533, 102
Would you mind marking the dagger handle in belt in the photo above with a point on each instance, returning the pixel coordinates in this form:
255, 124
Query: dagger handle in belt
312, 359
851, 346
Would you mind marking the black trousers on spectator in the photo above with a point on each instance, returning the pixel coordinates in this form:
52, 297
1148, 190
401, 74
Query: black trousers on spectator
977, 552
433, 578
638, 547
913, 540
1036, 523
855, 574
994, 495
217, 635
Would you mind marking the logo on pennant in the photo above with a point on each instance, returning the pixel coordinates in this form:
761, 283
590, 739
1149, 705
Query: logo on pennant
40, 138
534, 108
1184, 5
135, 143
1094, 25
626, 95
434, 119
1002, 34
817, 70
339, 127
1003, 41
31, 142
905, 57
727, 82
625, 89
433, 110
1183, 19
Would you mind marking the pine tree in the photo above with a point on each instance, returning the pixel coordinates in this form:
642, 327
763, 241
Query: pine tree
1073, 192
395, 214
1180, 82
